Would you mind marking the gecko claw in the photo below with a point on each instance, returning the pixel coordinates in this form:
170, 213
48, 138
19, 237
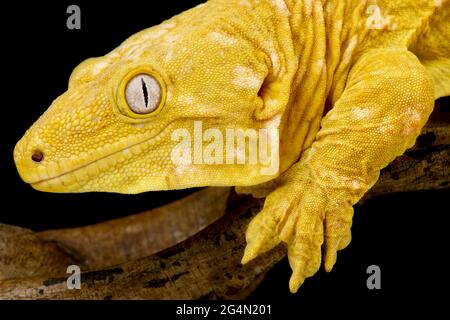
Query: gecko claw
248, 255
331, 248
261, 234
257, 243
295, 283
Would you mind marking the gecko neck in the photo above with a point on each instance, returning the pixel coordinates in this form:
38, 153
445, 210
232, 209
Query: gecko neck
325, 35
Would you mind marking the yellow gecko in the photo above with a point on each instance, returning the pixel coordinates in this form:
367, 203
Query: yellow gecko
333, 90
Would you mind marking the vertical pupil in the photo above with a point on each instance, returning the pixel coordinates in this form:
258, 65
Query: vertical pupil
144, 89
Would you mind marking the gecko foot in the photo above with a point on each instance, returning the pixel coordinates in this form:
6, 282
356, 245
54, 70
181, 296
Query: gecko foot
302, 216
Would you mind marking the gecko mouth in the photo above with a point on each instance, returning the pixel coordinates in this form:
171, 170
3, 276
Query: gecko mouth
78, 173
84, 172
80, 168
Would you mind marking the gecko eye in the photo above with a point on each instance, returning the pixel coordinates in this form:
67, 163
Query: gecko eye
143, 94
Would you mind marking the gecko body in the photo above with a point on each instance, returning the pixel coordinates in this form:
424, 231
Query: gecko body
345, 85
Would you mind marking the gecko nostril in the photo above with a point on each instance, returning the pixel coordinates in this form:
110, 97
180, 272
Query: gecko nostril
37, 156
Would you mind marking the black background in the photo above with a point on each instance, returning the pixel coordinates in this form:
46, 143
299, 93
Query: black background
404, 234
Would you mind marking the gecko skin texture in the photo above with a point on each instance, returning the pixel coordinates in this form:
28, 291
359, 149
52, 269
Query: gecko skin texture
348, 85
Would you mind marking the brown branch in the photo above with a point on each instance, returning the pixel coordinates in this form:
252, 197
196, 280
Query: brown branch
141, 235
24, 253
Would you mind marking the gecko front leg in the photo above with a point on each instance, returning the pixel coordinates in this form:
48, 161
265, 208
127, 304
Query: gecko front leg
388, 99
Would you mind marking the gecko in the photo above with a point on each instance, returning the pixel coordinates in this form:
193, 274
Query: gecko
345, 85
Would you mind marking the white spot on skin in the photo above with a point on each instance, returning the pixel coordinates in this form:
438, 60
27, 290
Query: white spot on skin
245, 78
412, 121
169, 54
308, 7
356, 185
280, 5
99, 67
319, 65
350, 48
412, 115
188, 100
222, 39
245, 4
437, 3
415, 117
361, 113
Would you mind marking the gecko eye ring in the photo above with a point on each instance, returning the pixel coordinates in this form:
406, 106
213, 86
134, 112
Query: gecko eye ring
141, 94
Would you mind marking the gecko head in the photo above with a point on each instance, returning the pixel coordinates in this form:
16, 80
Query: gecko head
175, 106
